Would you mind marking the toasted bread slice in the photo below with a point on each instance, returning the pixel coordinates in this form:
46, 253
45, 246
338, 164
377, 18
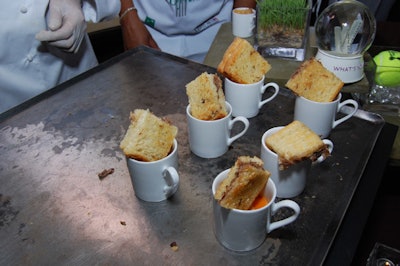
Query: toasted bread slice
295, 143
314, 82
148, 138
245, 181
206, 97
241, 63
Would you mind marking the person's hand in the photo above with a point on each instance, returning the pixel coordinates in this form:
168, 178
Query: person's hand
135, 33
66, 25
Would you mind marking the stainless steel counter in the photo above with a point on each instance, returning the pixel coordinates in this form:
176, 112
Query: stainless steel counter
54, 209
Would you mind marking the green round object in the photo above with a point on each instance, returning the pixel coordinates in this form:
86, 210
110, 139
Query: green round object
387, 68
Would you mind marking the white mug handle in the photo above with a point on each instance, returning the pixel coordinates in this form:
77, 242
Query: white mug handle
340, 106
246, 123
263, 88
284, 204
330, 149
171, 178
253, 23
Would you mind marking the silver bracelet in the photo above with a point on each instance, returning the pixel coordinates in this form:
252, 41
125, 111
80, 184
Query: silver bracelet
126, 12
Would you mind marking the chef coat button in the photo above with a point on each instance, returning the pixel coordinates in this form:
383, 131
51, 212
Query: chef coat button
23, 9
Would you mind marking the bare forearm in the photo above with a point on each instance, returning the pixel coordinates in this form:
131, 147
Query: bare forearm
134, 32
125, 4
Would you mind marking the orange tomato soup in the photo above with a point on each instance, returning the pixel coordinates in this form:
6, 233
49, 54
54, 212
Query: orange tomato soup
243, 11
259, 202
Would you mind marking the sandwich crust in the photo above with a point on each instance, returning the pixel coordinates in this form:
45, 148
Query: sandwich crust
148, 138
295, 143
206, 97
245, 181
241, 63
314, 82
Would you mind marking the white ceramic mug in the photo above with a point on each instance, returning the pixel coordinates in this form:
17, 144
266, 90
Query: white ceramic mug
155, 181
245, 230
291, 181
211, 138
320, 116
246, 99
243, 22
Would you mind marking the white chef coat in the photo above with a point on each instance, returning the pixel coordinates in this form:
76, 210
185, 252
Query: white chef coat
27, 67
184, 28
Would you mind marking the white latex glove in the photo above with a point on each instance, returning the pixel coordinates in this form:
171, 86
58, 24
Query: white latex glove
66, 25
